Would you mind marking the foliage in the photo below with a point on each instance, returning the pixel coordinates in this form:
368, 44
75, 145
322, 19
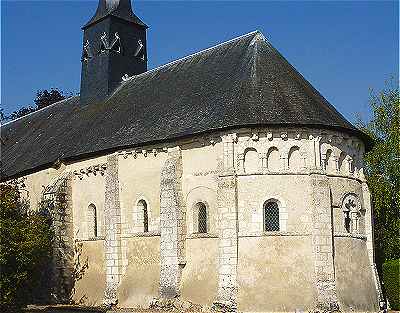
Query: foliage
21, 112
26, 245
391, 278
43, 99
78, 271
383, 170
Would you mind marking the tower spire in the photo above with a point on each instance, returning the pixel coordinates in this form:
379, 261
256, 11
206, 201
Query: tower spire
118, 8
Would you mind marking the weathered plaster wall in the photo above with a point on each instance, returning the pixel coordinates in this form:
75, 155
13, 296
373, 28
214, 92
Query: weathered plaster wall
340, 187
275, 274
295, 211
199, 276
88, 190
140, 282
201, 164
139, 178
354, 276
34, 185
91, 287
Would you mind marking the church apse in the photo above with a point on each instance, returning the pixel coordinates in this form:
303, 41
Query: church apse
184, 198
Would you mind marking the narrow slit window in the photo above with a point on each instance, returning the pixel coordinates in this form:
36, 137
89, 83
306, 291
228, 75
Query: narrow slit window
202, 217
92, 221
347, 221
144, 215
145, 219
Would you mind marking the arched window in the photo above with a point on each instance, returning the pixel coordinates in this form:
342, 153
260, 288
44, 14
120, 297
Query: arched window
347, 221
342, 163
271, 216
144, 215
201, 211
350, 207
273, 160
251, 160
295, 159
329, 161
92, 221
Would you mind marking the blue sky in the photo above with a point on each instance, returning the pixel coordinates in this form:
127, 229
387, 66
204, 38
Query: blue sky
343, 48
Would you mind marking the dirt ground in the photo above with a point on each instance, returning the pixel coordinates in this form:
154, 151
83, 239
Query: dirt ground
83, 309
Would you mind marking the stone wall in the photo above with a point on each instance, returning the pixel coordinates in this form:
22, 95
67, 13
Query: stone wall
354, 276
276, 274
309, 174
228, 243
140, 282
112, 223
172, 224
95, 275
322, 244
199, 283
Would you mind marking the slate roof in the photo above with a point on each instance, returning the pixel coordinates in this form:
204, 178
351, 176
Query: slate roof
242, 82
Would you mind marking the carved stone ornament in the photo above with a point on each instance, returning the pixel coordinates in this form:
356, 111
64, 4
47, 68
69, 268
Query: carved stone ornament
255, 137
91, 170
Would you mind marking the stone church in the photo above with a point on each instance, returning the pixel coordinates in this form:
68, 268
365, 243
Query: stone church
222, 178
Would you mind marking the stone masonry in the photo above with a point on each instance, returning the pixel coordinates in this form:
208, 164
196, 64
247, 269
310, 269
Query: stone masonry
112, 221
227, 229
322, 244
172, 222
228, 243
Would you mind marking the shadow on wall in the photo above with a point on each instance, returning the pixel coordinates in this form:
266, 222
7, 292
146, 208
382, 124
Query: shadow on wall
65, 267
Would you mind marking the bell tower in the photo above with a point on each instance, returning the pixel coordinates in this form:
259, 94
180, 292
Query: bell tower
114, 45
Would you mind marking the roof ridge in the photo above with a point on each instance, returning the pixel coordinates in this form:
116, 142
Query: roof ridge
255, 32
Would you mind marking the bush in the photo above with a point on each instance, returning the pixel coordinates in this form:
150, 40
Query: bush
391, 279
26, 246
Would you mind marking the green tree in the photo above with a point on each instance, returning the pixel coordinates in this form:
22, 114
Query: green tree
383, 171
25, 249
